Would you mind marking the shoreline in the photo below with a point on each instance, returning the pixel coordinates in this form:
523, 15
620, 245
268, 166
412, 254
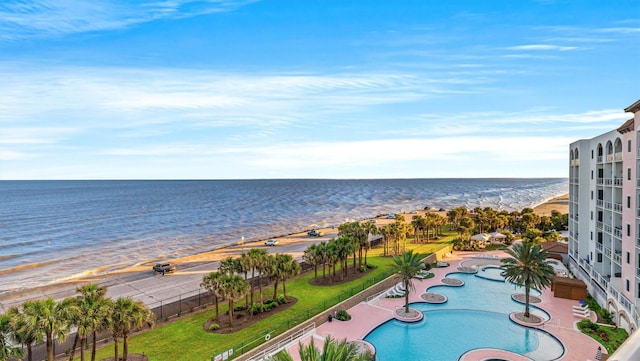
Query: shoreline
206, 260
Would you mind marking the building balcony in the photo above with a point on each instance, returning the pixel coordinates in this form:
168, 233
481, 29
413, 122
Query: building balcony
607, 252
617, 232
575, 162
599, 158
608, 205
607, 228
617, 258
617, 181
599, 225
599, 203
617, 156
617, 207
600, 181
599, 247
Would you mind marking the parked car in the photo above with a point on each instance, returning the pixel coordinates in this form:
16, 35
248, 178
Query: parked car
391, 216
164, 268
271, 242
314, 233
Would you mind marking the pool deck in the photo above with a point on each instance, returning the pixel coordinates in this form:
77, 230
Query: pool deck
368, 315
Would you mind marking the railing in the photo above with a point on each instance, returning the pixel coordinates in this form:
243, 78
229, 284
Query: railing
638, 182
617, 207
617, 181
617, 258
609, 157
617, 232
575, 162
599, 202
599, 247
608, 205
607, 228
599, 225
608, 181
281, 344
599, 158
607, 252
618, 156
600, 181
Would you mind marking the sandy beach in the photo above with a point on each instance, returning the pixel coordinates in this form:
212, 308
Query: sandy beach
141, 283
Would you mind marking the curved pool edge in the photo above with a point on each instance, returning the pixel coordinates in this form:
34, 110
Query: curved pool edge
482, 354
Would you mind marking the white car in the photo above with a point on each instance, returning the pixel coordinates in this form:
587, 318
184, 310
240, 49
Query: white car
270, 242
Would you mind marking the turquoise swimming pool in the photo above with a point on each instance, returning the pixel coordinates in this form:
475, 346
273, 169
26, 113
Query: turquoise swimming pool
475, 315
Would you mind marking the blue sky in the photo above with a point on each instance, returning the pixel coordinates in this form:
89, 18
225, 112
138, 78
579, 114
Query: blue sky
196, 89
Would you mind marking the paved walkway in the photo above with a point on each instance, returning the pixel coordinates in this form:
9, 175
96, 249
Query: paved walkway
367, 316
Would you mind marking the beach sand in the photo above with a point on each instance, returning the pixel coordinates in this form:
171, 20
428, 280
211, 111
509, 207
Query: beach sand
560, 204
141, 283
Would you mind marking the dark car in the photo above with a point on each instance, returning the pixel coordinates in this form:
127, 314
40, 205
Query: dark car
164, 268
314, 233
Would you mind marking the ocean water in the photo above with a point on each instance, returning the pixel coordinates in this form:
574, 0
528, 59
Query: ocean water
58, 230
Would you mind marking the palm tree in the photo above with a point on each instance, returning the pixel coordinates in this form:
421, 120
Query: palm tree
7, 351
211, 283
233, 287
255, 261
312, 257
228, 265
287, 267
49, 318
127, 315
332, 350
21, 333
88, 314
528, 266
407, 266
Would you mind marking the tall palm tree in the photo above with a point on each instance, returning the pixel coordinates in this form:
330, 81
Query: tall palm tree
127, 316
407, 267
49, 318
528, 266
233, 287
288, 267
211, 283
7, 332
91, 301
255, 261
312, 257
21, 332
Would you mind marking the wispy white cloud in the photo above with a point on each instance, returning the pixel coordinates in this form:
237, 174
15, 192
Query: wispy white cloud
45, 18
543, 47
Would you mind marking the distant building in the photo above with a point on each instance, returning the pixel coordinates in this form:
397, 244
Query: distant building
604, 218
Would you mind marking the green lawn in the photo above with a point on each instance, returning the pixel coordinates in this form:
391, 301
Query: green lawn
185, 338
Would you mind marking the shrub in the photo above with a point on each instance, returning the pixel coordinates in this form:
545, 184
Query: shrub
587, 325
606, 316
343, 315
269, 306
239, 308
255, 309
363, 268
269, 301
214, 327
281, 300
428, 266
